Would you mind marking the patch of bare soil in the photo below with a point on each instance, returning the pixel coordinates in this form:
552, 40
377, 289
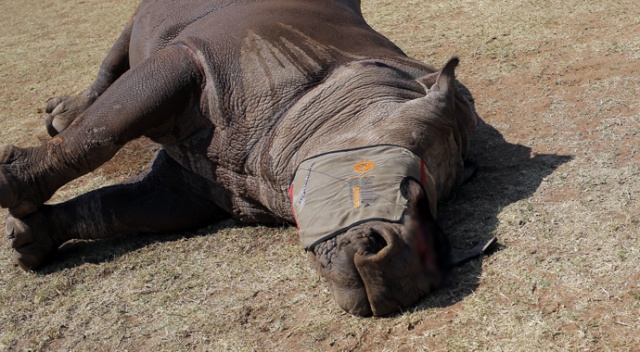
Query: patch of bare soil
557, 85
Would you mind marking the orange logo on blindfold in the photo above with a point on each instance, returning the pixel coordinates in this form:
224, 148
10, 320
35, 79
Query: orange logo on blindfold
364, 166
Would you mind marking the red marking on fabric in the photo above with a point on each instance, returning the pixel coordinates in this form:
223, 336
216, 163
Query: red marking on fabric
423, 173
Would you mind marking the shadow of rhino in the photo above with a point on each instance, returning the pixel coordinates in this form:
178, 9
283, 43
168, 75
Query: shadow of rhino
507, 174
78, 252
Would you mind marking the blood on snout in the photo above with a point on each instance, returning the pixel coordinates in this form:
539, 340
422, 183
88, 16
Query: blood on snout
425, 246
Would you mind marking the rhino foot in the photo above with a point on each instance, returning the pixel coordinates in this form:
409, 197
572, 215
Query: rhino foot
32, 243
20, 188
61, 111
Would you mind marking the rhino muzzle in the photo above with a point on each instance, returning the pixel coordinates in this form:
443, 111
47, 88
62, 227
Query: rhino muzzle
373, 270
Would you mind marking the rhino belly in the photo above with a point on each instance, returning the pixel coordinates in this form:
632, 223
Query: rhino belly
247, 198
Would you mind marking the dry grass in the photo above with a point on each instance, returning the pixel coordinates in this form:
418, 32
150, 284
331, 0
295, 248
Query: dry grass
557, 84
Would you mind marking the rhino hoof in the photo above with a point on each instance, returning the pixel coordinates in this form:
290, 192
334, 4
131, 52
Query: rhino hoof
16, 194
32, 249
61, 111
6, 195
8, 155
9, 199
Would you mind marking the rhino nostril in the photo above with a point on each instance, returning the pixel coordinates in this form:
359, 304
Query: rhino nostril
376, 242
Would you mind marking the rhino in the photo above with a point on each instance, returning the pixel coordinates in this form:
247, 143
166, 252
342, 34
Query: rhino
271, 111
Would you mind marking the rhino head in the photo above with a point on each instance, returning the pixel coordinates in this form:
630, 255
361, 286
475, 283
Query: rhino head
379, 267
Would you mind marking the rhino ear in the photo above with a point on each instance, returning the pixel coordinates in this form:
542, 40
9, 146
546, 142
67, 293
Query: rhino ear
443, 80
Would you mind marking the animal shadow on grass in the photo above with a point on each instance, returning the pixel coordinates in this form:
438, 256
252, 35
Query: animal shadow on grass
507, 173
76, 253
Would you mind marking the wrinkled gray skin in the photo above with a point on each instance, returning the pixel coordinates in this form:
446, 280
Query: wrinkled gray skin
238, 93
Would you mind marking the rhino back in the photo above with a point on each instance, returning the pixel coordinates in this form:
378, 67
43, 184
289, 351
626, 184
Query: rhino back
224, 26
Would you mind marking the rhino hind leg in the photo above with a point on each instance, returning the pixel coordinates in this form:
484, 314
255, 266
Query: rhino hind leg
61, 111
168, 198
149, 99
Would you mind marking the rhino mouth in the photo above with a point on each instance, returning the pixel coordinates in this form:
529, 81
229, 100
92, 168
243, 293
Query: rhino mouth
379, 268
372, 270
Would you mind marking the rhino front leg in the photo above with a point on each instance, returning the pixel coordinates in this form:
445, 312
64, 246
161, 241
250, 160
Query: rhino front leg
148, 99
169, 198
61, 111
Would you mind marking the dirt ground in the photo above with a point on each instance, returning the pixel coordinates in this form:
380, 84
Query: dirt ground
557, 85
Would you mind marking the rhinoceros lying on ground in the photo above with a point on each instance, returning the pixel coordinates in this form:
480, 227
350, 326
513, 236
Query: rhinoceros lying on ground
266, 111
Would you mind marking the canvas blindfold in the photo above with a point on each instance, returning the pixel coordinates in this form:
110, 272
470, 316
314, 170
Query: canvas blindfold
332, 192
